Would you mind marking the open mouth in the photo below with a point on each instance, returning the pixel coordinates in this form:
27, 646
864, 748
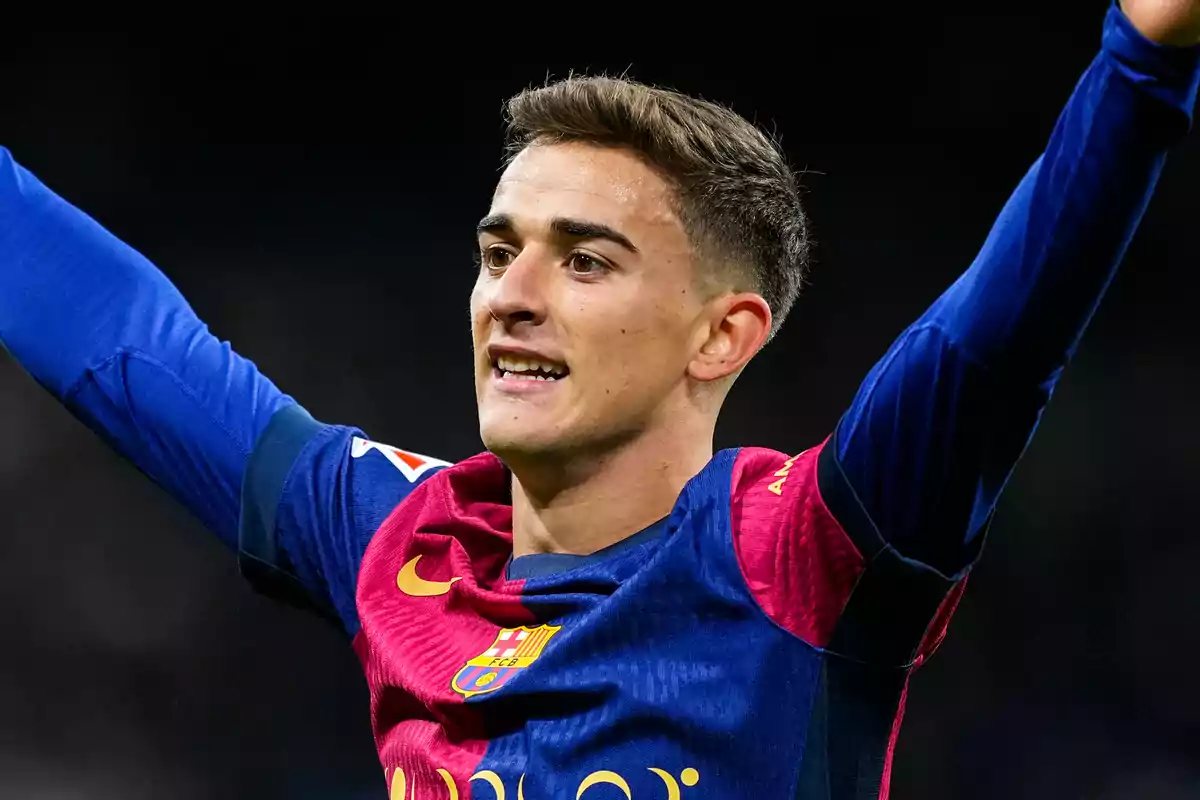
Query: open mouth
527, 369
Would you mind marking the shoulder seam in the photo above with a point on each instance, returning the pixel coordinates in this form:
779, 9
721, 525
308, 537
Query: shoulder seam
736, 550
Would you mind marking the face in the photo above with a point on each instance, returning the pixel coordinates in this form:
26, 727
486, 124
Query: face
585, 312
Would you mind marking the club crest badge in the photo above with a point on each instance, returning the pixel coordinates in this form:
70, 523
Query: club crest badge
513, 650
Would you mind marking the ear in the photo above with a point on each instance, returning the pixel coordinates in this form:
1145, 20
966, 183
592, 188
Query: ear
737, 327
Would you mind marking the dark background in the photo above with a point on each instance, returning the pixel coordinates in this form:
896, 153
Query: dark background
313, 192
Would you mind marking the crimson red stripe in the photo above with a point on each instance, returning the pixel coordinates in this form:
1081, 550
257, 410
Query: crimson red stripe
886, 781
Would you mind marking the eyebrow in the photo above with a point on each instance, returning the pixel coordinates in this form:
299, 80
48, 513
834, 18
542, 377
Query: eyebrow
574, 228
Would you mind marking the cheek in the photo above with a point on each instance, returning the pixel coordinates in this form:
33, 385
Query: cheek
638, 351
479, 315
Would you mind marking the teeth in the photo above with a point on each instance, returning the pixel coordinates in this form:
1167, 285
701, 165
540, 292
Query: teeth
517, 376
509, 364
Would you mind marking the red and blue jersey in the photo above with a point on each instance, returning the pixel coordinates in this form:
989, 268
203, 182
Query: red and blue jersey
759, 640
746, 644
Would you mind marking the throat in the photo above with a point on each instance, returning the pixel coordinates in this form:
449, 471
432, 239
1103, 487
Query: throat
611, 498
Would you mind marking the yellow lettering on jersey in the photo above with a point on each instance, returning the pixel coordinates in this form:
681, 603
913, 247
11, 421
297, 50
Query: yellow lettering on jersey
399, 788
777, 486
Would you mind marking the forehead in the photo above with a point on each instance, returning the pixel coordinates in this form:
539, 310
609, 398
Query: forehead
607, 185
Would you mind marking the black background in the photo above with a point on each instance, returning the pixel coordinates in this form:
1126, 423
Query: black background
313, 191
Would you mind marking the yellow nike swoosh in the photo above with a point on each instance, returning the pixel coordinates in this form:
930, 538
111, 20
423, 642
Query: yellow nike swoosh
414, 585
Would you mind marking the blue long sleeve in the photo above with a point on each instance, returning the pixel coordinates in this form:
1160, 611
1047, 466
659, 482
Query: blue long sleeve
106, 333
939, 423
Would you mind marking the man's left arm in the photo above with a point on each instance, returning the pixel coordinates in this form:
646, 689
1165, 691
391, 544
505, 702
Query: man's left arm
940, 422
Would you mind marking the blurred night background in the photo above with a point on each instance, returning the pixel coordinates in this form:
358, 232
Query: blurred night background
313, 191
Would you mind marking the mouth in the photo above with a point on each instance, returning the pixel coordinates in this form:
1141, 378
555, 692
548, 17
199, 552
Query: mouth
520, 368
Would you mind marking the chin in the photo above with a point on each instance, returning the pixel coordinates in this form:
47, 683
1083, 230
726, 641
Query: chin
516, 438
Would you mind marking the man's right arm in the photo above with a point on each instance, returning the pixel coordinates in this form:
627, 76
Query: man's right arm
105, 332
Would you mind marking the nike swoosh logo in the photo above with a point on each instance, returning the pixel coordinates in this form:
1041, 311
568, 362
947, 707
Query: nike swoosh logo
413, 585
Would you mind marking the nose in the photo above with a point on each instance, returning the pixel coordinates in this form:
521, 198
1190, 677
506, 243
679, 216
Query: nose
517, 295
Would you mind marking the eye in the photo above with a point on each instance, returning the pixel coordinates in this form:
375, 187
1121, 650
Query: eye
496, 257
584, 265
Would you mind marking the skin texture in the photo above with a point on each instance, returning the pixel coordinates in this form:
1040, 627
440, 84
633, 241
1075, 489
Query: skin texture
605, 451
652, 349
1171, 22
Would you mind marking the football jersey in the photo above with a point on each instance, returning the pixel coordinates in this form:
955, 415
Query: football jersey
758, 641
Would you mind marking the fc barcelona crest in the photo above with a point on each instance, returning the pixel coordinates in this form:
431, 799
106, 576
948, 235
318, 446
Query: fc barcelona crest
514, 650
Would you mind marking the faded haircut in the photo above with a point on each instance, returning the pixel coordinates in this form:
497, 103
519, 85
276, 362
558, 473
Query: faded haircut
738, 199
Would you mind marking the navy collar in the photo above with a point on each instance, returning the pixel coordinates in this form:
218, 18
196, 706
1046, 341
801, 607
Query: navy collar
537, 565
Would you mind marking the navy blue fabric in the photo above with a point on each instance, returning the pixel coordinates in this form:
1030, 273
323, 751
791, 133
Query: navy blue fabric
263, 560
850, 730
339, 491
536, 565
939, 423
927, 444
106, 333
664, 661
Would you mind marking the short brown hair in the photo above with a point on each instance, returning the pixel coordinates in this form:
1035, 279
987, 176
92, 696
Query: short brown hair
738, 199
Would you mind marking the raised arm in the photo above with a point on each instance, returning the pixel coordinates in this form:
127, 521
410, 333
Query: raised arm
106, 333
939, 423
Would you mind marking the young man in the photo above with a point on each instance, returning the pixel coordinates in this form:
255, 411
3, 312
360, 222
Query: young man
599, 606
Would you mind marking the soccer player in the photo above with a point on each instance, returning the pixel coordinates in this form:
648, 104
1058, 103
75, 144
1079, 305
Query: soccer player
598, 606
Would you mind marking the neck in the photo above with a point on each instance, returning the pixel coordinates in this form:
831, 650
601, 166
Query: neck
584, 504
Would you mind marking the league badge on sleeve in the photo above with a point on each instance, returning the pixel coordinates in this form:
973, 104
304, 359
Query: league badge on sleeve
412, 465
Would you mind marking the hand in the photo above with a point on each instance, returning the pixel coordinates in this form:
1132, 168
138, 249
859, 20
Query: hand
1170, 22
